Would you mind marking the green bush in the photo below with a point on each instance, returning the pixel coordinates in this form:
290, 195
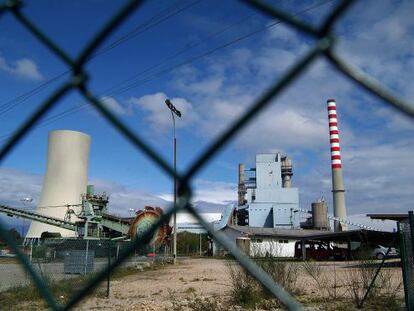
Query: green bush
189, 243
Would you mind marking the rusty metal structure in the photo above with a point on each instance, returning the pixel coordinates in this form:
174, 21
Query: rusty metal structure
146, 218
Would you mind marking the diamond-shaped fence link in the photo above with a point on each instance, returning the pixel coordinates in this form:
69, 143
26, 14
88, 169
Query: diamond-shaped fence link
323, 47
406, 233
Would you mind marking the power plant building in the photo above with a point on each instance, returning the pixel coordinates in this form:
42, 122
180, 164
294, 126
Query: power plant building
270, 202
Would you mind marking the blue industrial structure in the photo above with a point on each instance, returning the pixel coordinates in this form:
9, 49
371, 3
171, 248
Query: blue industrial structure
266, 199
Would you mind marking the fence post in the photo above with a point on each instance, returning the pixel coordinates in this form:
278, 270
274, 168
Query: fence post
409, 263
86, 256
403, 262
200, 243
411, 222
360, 305
109, 273
31, 252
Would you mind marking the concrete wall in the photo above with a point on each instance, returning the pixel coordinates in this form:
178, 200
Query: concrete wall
272, 247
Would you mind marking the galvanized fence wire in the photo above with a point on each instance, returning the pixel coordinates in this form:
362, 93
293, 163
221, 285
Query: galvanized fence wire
406, 236
323, 47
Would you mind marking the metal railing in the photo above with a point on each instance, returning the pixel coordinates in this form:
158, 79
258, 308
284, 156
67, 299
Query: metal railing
323, 47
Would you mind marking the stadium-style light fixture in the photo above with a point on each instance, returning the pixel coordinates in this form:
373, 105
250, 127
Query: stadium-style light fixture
174, 111
172, 108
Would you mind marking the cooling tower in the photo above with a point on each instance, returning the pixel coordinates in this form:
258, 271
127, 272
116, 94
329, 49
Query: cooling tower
338, 189
65, 180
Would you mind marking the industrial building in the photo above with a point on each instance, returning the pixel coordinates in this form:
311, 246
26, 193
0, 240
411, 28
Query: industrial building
266, 219
266, 202
69, 208
267, 199
267, 213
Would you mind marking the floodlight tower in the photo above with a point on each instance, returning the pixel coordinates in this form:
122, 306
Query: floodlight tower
174, 112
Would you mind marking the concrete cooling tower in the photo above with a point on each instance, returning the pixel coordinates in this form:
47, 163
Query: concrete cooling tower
65, 180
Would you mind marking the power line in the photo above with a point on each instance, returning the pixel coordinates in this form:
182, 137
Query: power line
184, 50
211, 51
143, 27
157, 74
10, 104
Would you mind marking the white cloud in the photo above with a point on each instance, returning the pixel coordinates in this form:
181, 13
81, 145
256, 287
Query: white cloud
380, 44
376, 158
24, 68
377, 179
123, 199
370, 187
208, 86
159, 116
284, 128
209, 197
215, 191
113, 105
16, 185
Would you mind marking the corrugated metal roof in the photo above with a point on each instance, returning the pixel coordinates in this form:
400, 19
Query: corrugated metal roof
297, 234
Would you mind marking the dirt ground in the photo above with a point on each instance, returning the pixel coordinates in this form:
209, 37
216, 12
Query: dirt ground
182, 286
156, 289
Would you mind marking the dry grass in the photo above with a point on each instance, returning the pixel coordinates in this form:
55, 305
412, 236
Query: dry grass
206, 284
247, 292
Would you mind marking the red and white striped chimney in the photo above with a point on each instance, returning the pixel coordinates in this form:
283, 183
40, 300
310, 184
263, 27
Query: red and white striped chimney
336, 164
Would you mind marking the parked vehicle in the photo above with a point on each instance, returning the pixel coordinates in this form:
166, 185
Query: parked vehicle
320, 251
375, 251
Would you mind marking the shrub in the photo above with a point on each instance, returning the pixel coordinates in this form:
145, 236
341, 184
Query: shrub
327, 284
246, 291
359, 279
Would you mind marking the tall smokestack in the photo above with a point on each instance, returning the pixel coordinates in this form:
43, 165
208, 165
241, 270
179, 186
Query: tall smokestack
242, 186
65, 180
287, 172
338, 189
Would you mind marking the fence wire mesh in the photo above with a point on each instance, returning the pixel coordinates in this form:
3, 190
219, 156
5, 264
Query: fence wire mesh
406, 233
325, 40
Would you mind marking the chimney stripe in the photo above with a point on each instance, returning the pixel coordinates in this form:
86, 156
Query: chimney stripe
334, 135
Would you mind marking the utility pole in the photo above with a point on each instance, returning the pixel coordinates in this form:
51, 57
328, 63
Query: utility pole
174, 112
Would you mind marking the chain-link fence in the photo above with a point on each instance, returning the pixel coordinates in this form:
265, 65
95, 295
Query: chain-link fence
55, 260
325, 41
68, 264
406, 234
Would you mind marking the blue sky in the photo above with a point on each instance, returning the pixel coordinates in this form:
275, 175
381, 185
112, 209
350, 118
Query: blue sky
164, 58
